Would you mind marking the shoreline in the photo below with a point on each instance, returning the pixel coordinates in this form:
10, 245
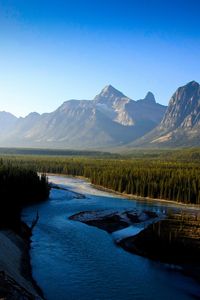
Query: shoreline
16, 280
136, 197
130, 196
173, 240
26, 259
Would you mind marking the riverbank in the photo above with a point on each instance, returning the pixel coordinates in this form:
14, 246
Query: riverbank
171, 239
16, 280
76, 195
129, 196
174, 240
136, 197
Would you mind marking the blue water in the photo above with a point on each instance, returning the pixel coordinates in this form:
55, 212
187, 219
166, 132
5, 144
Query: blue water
74, 261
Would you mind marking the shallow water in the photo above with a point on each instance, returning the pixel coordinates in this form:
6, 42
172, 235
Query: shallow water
74, 261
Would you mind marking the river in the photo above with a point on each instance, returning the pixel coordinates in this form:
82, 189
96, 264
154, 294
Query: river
74, 261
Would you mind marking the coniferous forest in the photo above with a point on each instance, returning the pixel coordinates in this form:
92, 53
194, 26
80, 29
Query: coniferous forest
177, 180
19, 186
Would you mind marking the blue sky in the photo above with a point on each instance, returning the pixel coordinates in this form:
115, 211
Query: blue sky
52, 51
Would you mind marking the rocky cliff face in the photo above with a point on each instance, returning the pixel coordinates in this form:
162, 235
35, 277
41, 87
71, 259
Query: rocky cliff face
184, 108
180, 125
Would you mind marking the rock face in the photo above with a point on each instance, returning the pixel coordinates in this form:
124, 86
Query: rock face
110, 119
180, 125
184, 108
15, 278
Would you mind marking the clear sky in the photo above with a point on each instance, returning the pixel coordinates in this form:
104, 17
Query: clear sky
55, 50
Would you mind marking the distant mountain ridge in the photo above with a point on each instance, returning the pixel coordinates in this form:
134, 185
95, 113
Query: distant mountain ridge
7, 121
110, 119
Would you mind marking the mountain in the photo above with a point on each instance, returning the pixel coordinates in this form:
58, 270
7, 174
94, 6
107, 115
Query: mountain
7, 121
110, 119
180, 125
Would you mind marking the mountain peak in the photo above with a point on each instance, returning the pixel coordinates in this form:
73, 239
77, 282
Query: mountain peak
5, 113
109, 88
192, 83
189, 89
109, 91
150, 97
190, 86
32, 116
184, 107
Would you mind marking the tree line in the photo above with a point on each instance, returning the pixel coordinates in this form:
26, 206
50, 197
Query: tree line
19, 186
171, 180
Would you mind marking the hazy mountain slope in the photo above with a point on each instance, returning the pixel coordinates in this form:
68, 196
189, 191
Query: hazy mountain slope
7, 121
110, 119
180, 125
146, 109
